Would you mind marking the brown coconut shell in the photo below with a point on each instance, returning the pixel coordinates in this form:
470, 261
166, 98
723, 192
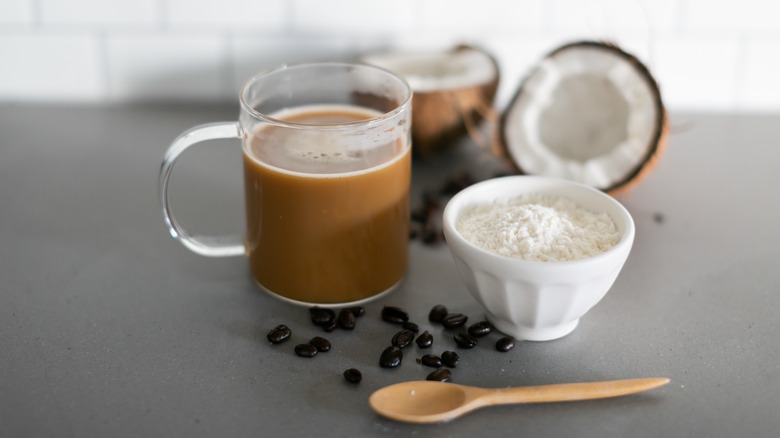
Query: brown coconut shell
441, 116
657, 142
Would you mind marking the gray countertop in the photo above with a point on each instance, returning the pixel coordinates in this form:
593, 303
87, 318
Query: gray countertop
108, 327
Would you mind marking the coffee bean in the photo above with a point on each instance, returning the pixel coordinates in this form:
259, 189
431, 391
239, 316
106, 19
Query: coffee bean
305, 350
432, 235
346, 319
279, 334
440, 375
420, 215
505, 344
321, 344
403, 338
414, 230
450, 358
331, 325
480, 329
431, 200
391, 357
437, 313
411, 326
453, 320
431, 360
358, 311
395, 315
425, 340
465, 340
429, 211
322, 317
457, 183
353, 375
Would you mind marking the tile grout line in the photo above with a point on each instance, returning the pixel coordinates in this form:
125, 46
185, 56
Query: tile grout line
35, 5
162, 15
289, 28
228, 70
105, 70
738, 88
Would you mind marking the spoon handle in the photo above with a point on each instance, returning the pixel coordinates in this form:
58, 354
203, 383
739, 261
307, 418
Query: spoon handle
572, 391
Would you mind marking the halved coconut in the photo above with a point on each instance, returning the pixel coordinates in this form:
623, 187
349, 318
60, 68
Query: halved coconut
589, 112
453, 91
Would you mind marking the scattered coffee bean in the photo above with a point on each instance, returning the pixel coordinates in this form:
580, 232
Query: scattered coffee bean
440, 375
321, 344
453, 320
346, 319
403, 338
437, 313
431, 360
450, 358
279, 334
420, 215
415, 230
322, 317
427, 212
432, 235
505, 344
425, 220
305, 350
430, 200
425, 340
395, 315
391, 357
457, 183
358, 311
353, 375
480, 329
331, 325
411, 326
465, 340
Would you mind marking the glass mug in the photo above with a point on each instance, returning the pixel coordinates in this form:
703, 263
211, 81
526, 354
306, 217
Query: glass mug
327, 170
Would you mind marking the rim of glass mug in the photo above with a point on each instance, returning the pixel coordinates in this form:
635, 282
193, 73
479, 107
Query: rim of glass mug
250, 109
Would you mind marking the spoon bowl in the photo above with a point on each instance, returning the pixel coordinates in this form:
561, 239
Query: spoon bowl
432, 402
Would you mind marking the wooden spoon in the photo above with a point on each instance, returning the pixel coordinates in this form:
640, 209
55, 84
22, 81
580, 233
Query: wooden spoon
426, 401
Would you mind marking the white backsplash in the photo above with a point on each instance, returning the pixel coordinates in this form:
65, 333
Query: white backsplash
710, 55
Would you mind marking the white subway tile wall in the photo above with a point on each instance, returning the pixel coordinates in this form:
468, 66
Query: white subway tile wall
186, 66
700, 69
104, 14
269, 16
750, 16
15, 12
51, 66
465, 18
762, 67
709, 55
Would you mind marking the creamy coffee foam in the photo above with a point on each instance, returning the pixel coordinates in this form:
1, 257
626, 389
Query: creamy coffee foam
315, 145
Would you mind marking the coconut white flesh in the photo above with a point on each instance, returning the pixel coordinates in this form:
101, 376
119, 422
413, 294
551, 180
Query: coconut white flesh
426, 72
586, 114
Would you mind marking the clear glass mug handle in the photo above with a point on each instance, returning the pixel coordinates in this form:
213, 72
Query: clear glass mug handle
212, 246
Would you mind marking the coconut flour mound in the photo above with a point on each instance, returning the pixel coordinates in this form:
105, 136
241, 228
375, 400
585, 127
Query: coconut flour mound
539, 228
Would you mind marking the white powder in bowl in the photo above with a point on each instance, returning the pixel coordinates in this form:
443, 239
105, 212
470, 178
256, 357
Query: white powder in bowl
538, 228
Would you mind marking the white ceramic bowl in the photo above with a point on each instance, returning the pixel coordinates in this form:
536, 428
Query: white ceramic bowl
533, 300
